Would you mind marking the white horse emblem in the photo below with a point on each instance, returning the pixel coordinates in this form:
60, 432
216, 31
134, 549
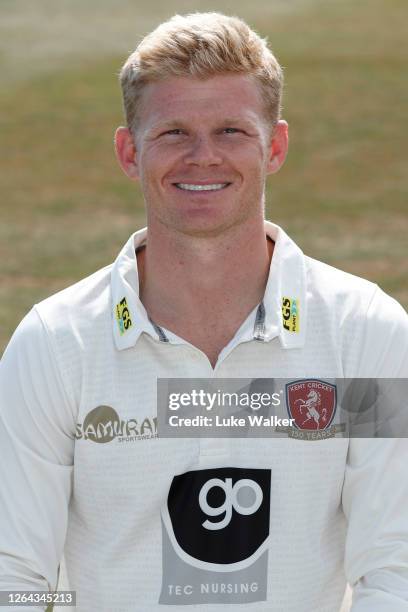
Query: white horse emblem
310, 405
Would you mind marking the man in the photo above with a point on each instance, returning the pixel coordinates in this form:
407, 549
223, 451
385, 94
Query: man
209, 291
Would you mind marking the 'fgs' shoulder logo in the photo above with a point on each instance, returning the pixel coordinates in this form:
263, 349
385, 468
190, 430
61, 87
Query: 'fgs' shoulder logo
215, 532
290, 314
123, 316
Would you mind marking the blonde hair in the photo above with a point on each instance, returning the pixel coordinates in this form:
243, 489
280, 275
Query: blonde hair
201, 45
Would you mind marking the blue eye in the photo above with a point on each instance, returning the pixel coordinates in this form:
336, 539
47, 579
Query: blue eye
231, 130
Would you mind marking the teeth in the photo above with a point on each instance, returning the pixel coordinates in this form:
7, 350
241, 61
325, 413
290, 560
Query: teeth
201, 187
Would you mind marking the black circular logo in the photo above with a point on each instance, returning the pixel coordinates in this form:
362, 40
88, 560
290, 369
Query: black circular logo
220, 515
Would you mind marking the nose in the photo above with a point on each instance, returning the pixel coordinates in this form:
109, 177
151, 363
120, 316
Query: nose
203, 152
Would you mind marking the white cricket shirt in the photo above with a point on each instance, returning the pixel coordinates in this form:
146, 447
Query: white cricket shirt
82, 473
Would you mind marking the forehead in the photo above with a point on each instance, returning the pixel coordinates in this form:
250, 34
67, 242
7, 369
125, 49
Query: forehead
187, 98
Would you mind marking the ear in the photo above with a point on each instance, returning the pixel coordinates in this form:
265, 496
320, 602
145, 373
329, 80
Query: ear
126, 153
278, 147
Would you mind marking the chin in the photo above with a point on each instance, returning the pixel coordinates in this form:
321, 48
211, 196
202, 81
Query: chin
207, 228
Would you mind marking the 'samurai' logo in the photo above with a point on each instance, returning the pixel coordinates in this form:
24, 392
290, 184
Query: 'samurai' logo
103, 424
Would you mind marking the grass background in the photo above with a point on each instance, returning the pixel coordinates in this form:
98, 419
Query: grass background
66, 208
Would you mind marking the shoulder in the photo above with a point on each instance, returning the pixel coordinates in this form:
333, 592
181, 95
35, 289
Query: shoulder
64, 332
74, 324
336, 287
372, 327
79, 306
74, 308
350, 297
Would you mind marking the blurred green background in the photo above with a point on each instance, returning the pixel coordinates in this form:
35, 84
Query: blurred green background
66, 208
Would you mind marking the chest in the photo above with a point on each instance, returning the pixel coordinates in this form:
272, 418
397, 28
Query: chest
208, 340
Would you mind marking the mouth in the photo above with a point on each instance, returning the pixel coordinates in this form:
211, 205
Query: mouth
197, 187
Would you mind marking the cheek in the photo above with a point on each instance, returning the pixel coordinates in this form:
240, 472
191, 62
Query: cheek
254, 165
153, 164
252, 155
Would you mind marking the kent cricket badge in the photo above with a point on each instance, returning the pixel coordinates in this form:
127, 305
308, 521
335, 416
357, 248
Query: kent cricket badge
311, 403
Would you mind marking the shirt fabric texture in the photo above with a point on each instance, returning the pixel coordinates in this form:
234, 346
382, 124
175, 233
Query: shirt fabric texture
338, 507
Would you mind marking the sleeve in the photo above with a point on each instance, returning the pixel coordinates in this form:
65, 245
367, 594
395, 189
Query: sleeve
375, 491
36, 461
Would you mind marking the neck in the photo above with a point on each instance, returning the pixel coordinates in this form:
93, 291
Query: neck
203, 277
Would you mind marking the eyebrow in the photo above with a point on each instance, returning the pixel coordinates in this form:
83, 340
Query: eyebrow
176, 123
245, 120
164, 125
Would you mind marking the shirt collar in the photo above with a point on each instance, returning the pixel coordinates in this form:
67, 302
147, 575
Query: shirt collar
130, 318
285, 292
282, 312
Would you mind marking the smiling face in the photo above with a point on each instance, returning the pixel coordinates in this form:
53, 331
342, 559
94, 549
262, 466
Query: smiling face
203, 151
